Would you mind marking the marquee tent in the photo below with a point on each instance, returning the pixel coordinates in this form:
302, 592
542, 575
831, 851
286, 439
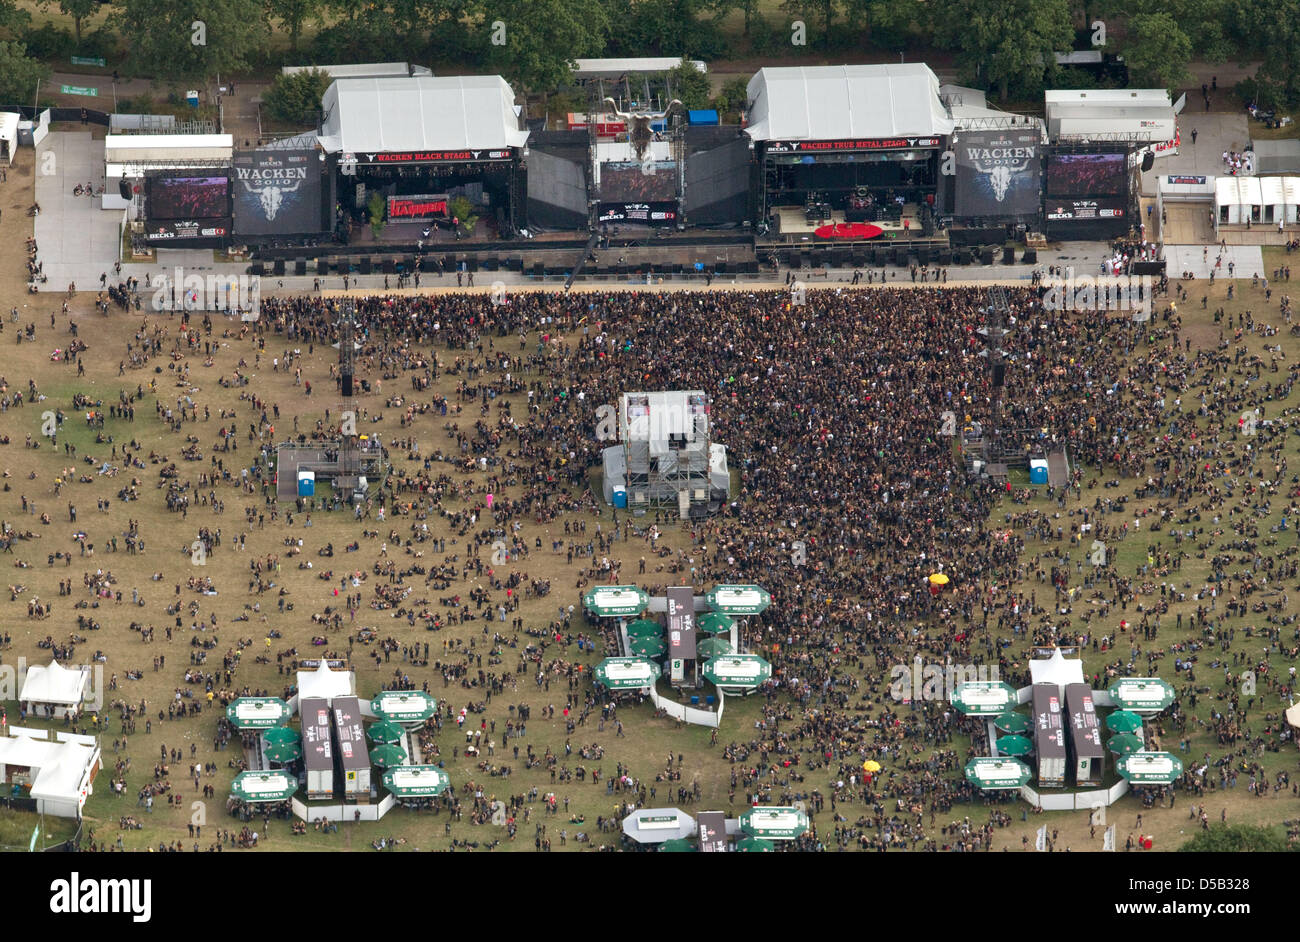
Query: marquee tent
421, 113
1237, 199
8, 134
846, 101
54, 690
657, 825
325, 684
58, 772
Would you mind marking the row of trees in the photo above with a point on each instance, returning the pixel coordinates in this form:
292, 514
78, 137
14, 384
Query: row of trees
999, 44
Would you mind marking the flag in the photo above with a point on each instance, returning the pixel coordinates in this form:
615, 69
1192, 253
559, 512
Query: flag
1041, 842
1108, 842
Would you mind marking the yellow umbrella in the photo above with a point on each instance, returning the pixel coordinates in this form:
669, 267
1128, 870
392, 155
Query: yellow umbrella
938, 578
871, 765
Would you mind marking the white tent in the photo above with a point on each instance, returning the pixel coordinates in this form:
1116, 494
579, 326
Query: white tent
55, 690
325, 684
1291, 198
421, 113
58, 771
846, 101
1293, 718
8, 135
1056, 670
1237, 199
1272, 199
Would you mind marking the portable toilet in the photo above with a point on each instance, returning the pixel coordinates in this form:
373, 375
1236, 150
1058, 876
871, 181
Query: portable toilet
620, 496
1038, 471
306, 483
192, 96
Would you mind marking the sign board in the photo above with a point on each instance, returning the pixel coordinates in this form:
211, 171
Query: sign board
999, 173
681, 622
79, 90
713, 831
878, 143
433, 156
418, 207
277, 192
660, 213
89, 60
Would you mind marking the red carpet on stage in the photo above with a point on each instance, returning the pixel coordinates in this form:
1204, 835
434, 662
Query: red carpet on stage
848, 230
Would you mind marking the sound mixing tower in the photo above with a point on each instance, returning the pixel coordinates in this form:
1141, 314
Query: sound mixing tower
348, 477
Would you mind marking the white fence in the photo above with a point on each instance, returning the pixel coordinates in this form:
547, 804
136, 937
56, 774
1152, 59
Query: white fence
1075, 801
343, 813
689, 714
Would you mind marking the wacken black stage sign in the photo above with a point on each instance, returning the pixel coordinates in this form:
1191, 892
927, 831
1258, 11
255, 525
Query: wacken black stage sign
875, 143
430, 156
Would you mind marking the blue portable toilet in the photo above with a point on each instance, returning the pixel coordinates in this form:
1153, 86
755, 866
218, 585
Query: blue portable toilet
620, 497
192, 97
1038, 471
306, 483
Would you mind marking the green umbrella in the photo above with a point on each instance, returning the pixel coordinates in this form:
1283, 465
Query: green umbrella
283, 752
615, 601
1150, 768
774, 823
741, 671
715, 623
416, 781
712, 647
645, 628
991, 774
1142, 694
627, 673
738, 599
1014, 746
404, 706
385, 732
677, 845
1012, 722
648, 647
1124, 743
258, 712
984, 697
1123, 721
280, 735
263, 786
387, 756
753, 845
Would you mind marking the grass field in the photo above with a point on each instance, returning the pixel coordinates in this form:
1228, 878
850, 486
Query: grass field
648, 741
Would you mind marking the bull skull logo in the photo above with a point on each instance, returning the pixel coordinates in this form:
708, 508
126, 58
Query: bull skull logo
272, 198
1000, 178
638, 125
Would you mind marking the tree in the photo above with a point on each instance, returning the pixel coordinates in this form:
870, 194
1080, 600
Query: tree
79, 10
734, 95
191, 38
375, 213
295, 99
825, 10
1236, 839
11, 16
463, 211
886, 23
689, 85
1157, 51
19, 73
1271, 31
1004, 44
534, 42
291, 15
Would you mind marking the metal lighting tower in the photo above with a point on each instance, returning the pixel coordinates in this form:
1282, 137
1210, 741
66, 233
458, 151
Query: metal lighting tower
348, 478
995, 333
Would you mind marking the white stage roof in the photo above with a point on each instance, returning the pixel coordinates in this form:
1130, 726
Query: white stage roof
846, 101
422, 113
55, 684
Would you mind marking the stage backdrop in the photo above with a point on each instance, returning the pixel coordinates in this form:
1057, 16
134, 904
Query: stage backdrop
998, 173
277, 192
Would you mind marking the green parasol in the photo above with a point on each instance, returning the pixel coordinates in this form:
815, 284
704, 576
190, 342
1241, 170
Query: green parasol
283, 752
677, 845
755, 845
1123, 721
615, 601
1012, 722
1124, 743
738, 599
385, 732
1150, 768
713, 647
387, 756
774, 823
1014, 746
627, 673
715, 623
648, 647
416, 781
258, 712
645, 628
741, 671
404, 706
990, 774
280, 735
263, 786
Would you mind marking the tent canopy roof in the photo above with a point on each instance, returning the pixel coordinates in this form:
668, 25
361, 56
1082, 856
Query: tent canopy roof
1056, 670
54, 684
325, 684
846, 101
416, 113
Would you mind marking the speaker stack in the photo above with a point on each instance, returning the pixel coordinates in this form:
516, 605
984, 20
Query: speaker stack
1031, 257
322, 265
365, 265
300, 266
277, 268
390, 265
988, 255
1008, 255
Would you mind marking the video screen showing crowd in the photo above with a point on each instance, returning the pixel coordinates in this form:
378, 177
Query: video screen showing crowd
193, 208
1087, 193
